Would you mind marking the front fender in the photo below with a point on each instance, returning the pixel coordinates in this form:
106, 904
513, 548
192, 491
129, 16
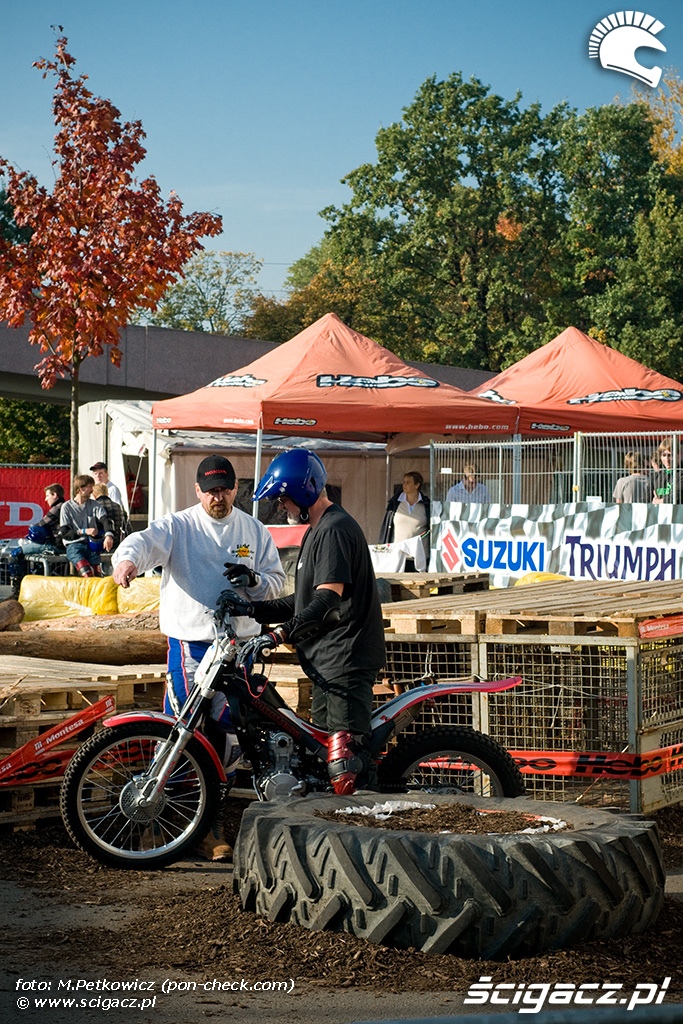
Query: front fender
125, 717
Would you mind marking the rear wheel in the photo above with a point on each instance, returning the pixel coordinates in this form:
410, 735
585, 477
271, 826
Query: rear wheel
450, 759
101, 806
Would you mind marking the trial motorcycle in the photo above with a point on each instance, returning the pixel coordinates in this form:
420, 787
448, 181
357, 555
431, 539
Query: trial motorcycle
145, 789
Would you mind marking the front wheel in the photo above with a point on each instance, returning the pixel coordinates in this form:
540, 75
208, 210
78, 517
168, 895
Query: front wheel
451, 759
101, 806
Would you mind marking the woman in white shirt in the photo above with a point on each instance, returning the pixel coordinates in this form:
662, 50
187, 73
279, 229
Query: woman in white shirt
407, 514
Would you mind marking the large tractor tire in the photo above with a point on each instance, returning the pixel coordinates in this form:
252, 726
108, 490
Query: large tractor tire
477, 896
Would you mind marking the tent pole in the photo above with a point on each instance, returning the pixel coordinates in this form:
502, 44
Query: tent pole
152, 479
257, 468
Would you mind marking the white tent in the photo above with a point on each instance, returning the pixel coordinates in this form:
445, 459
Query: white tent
120, 432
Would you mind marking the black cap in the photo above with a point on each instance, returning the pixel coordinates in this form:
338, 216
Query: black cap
215, 471
98, 465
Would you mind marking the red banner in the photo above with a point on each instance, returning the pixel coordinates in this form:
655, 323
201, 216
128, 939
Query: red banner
22, 495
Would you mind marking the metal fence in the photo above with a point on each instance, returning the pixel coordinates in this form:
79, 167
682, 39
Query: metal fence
548, 471
593, 694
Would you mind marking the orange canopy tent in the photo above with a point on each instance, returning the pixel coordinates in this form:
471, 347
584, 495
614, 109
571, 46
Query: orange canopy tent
575, 383
331, 380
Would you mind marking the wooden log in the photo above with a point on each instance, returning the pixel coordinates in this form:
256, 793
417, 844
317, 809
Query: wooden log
11, 613
102, 647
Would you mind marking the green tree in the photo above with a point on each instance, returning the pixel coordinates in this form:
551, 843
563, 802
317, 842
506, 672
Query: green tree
448, 247
666, 110
610, 177
216, 294
33, 432
641, 311
483, 229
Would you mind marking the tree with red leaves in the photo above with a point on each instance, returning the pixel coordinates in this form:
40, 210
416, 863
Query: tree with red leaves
97, 247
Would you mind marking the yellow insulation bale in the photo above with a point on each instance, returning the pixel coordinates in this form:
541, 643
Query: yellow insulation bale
540, 577
57, 597
141, 596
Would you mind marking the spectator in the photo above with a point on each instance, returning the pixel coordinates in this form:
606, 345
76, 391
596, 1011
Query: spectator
469, 489
84, 528
637, 486
664, 491
407, 514
42, 538
191, 547
116, 514
102, 477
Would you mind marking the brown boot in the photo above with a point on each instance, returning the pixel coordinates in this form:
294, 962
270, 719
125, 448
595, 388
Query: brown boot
215, 846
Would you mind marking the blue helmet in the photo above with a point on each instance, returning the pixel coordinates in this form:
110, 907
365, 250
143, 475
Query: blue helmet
38, 534
297, 474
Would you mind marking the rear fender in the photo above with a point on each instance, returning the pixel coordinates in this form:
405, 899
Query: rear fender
408, 701
140, 717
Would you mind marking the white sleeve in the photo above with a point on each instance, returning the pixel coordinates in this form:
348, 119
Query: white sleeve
148, 548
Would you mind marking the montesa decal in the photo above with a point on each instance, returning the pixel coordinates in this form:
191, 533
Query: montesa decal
629, 395
233, 380
382, 380
294, 421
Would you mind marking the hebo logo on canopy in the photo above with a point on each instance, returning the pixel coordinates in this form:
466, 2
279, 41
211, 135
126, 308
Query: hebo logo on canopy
490, 554
382, 380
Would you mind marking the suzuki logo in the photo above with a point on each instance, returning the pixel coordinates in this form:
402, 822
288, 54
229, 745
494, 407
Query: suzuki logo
615, 39
450, 551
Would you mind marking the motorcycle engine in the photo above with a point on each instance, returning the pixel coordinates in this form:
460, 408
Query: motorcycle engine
280, 780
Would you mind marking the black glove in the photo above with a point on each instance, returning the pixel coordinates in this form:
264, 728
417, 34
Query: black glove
230, 604
258, 645
240, 575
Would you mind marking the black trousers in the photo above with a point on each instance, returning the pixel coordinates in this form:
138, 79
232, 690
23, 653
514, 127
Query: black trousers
344, 704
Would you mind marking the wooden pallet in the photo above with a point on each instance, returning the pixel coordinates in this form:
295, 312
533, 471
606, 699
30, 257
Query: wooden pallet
406, 586
24, 805
554, 608
31, 686
293, 686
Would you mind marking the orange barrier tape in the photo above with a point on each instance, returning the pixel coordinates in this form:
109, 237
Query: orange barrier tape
596, 764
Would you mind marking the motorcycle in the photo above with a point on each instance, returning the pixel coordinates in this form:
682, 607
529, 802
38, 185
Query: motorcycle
145, 789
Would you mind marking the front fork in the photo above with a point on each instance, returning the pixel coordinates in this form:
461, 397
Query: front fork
168, 753
166, 757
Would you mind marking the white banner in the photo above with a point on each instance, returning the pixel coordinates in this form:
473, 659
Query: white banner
580, 540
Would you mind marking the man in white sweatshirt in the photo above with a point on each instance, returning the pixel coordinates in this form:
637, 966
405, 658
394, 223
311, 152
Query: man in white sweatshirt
192, 547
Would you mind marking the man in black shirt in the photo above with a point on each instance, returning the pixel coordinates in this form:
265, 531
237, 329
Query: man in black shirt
334, 617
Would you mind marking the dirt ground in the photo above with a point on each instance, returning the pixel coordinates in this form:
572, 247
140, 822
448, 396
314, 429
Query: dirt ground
68, 917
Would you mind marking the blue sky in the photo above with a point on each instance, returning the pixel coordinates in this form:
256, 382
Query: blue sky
255, 109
